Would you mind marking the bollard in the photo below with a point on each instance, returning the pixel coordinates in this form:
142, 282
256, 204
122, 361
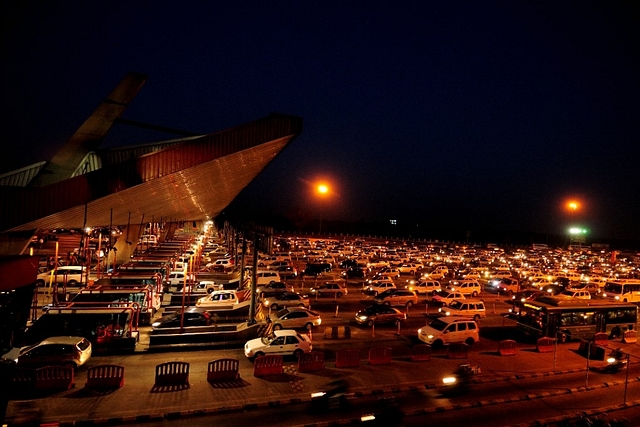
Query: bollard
373, 329
494, 308
310, 333
336, 315
426, 308
398, 332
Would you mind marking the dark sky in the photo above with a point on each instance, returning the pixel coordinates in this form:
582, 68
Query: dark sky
471, 114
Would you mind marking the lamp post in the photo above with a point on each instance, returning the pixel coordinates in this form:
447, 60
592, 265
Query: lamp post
323, 191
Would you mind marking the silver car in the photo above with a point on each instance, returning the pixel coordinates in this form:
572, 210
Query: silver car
287, 299
295, 318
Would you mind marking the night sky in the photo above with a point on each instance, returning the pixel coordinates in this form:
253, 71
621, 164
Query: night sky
463, 115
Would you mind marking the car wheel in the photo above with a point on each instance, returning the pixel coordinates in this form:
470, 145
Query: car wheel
615, 333
301, 305
370, 323
308, 326
476, 317
72, 283
209, 290
298, 354
397, 322
409, 304
474, 294
469, 341
437, 344
277, 327
563, 338
274, 306
387, 303
40, 283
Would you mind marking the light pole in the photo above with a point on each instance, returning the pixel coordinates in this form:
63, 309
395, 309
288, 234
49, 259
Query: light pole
322, 190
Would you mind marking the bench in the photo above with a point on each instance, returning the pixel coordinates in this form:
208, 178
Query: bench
105, 377
172, 373
223, 370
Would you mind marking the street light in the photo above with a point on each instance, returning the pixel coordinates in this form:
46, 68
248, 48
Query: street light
323, 191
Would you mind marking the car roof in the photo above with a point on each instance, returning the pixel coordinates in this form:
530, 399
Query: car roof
62, 340
455, 319
285, 332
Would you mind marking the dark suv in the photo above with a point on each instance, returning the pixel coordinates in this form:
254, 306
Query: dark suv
317, 269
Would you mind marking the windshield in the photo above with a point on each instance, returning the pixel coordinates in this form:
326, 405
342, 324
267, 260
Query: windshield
615, 288
282, 313
438, 325
455, 305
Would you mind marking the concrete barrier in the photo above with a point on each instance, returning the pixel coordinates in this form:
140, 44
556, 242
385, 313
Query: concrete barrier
311, 362
270, 364
105, 376
421, 353
630, 337
507, 348
348, 358
55, 378
223, 370
172, 373
457, 351
545, 345
337, 332
380, 355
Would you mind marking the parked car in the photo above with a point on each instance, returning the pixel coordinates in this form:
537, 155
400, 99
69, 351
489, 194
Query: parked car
474, 309
466, 287
428, 287
295, 318
400, 297
377, 287
409, 268
447, 330
287, 272
287, 299
58, 350
273, 288
354, 273
71, 275
282, 342
331, 288
446, 297
218, 299
193, 316
571, 294
315, 269
380, 314
264, 277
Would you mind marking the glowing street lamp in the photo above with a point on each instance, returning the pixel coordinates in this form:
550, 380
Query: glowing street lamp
323, 191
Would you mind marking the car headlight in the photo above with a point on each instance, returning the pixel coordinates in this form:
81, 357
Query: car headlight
361, 317
430, 337
155, 324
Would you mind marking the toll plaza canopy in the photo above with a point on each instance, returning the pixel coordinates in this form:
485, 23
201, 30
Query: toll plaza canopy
187, 179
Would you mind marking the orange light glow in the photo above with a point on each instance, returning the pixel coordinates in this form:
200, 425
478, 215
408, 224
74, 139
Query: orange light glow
323, 189
573, 205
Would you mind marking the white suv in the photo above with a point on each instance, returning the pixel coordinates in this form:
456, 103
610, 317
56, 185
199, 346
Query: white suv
466, 287
469, 308
264, 277
447, 330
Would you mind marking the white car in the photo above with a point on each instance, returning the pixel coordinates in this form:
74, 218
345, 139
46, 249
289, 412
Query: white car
218, 299
295, 318
445, 298
430, 287
72, 275
378, 287
283, 342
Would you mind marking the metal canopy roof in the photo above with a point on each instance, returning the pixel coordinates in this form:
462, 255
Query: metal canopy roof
193, 180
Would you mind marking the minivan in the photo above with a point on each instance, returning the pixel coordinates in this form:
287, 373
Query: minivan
447, 330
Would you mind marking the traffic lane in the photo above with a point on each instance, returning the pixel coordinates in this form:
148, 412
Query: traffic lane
406, 407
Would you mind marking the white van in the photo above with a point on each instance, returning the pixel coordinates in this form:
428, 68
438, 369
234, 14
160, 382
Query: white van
149, 239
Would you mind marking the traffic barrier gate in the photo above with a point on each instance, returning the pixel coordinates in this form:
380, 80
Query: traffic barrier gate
225, 369
172, 373
24, 380
311, 362
55, 378
105, 376
545, 345
630, 337
348, 358
507, 348
270, 364
421, 353
457, 351
380, 355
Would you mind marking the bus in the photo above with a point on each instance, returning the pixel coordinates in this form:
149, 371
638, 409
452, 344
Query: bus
580, 319
108, 328
622, 290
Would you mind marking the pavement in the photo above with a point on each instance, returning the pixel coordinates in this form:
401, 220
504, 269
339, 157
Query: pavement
140, 400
